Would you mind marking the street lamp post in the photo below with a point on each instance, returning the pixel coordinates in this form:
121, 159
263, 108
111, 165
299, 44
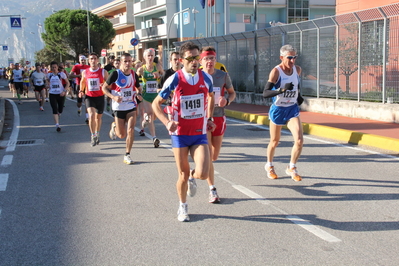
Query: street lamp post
34, 51
170, 23
195, 11
88, 27
8, 50
39, 30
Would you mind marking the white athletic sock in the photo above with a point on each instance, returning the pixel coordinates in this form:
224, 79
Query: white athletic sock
211, 187
183, 204
269, 164
292, 165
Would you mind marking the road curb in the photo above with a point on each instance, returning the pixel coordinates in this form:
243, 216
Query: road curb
2, 115
352, 137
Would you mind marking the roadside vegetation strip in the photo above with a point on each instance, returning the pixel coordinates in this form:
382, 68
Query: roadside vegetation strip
347, 136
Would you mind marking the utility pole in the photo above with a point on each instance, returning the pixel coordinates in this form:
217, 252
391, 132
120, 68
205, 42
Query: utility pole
88, 28
256, 55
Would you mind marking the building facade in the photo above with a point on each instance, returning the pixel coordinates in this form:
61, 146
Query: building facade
348, 6
157, 23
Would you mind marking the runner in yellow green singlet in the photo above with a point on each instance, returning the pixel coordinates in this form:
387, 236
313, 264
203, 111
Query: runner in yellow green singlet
150, 83
150, 73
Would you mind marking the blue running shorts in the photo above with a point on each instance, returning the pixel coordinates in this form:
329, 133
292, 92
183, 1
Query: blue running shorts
281, 115
182, 141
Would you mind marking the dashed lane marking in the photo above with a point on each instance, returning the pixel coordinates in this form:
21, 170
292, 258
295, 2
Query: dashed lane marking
7, 160
3, 182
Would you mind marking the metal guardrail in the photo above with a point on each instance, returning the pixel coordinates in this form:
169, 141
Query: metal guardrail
350, 56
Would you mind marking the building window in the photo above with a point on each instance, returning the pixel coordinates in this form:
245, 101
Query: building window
217, 18
246, 18
120, 37
298, 10
241, 18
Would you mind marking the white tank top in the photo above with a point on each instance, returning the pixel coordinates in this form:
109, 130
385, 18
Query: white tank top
288, 98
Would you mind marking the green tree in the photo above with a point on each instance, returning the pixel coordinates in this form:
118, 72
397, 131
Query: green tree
47, 55
66, 32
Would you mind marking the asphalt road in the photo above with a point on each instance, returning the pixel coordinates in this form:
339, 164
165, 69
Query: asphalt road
63, 202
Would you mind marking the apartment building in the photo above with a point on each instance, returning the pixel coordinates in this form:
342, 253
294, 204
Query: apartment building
159, 22
120, 13
347, 6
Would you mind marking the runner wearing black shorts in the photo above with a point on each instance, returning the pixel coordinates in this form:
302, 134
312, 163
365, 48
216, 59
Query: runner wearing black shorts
38, 79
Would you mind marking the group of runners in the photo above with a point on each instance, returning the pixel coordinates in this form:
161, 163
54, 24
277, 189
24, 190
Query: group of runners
189, 99
196, 121
18, 79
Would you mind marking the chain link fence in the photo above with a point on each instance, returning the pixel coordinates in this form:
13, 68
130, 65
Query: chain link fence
351, 56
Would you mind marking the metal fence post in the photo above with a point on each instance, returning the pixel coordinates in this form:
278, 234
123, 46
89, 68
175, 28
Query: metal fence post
384, 56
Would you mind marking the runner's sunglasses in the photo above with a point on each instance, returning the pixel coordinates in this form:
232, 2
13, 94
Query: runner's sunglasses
192, 58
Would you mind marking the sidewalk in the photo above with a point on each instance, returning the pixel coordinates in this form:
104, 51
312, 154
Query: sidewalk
377, 134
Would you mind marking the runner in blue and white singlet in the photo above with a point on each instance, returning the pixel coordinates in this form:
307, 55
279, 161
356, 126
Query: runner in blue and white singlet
287, 99
283, 88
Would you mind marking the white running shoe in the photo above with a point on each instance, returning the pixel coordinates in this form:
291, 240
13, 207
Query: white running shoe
127, 159
112, 133
182, 213
93, 141
145, 121
213, 196
192, 186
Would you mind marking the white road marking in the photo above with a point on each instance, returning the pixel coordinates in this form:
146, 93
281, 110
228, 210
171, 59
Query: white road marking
7, 160
3, 182
313, 229
15, 129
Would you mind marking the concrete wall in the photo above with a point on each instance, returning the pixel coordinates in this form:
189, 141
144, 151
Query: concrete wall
366, 110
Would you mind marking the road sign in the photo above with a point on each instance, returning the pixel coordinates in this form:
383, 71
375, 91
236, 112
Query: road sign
104, 52
5, 48
15, 23
186, 18
134, 41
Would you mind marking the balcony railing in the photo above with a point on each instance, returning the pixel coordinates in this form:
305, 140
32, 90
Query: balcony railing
122, 21
152, 32
148, 3
114, 20
139, 6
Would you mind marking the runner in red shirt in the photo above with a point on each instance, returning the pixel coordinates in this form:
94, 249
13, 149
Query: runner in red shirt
189, 119
91, 85
76, 72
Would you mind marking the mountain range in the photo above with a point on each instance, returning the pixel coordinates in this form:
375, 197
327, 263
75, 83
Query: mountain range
23, 42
